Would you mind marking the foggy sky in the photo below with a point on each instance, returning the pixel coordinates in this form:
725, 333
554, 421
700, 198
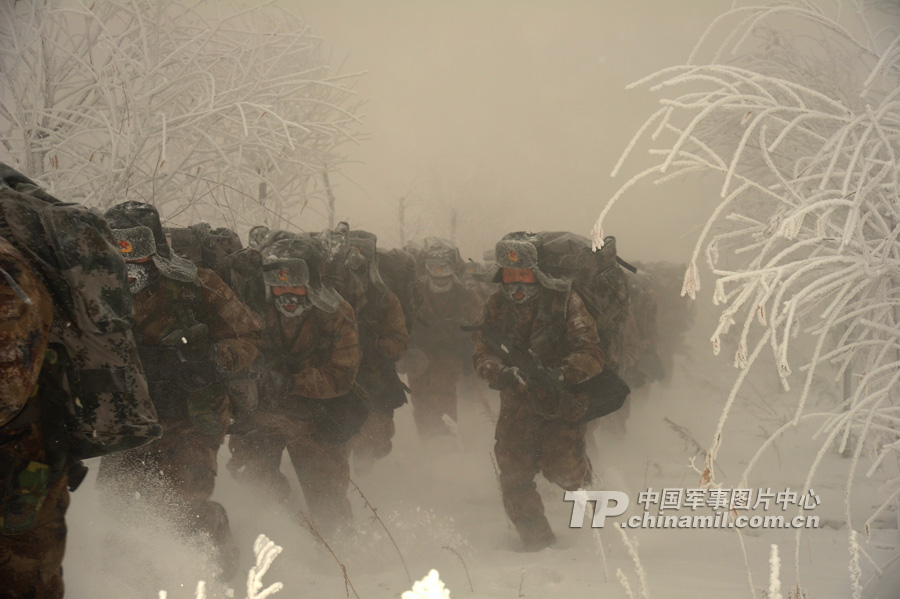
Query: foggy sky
512, 110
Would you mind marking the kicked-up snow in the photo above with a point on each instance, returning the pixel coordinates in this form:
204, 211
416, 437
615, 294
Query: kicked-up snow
442, 507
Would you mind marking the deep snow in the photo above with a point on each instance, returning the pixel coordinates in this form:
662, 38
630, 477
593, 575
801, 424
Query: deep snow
440, 502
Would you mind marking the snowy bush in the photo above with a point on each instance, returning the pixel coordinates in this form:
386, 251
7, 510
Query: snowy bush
429, 587
796, 110
236, 116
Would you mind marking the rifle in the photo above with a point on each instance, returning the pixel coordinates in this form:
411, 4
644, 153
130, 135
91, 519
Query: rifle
605, 392
175, 365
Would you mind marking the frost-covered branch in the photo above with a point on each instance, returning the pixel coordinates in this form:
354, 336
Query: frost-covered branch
233, 116
797, 111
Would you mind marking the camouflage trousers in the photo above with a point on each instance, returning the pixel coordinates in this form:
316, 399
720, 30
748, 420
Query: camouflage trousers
433, 394
527, 444
31, 562
373, 441
322, 469
177, 474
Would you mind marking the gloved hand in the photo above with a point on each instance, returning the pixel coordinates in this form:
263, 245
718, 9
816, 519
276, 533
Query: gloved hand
511, 378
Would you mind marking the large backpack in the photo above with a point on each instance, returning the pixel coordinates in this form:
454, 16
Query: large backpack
596, 276
398, 270
221, 251
99, 381
206, 247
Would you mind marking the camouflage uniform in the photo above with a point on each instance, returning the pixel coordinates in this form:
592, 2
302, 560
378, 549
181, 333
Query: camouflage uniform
383, 335
312, 357
355, 272
443, 355
32, 515
558, 328
179, 470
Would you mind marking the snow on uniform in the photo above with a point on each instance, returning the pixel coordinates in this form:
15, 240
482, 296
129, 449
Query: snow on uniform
445, 352
314, 358
33, 498
558, 328
194, 309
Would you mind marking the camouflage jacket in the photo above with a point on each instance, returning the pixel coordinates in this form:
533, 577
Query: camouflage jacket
384, 326
319, 350
160, 309
26, 313
556, 326
436, 329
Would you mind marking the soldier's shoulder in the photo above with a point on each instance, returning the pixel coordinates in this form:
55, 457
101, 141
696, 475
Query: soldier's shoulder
345, 310
495, 302
209, 280
574, 303
208, 277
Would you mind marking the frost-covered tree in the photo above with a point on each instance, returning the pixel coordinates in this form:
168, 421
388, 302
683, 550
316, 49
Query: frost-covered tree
795, 108
233, 115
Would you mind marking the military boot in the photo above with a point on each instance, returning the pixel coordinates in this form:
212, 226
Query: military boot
535, 533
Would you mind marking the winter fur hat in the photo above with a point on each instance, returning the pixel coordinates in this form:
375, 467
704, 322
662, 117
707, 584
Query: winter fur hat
295, 262
135, 243
520, 250
138, 215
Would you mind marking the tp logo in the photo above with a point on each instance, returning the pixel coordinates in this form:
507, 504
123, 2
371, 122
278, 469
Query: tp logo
602, 507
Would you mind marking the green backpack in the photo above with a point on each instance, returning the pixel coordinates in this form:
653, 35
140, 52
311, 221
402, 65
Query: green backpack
98, 381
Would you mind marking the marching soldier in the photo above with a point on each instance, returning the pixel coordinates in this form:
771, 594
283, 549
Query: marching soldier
192, 333
539, 428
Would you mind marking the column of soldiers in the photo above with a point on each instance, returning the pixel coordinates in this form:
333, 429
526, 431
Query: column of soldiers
294, 343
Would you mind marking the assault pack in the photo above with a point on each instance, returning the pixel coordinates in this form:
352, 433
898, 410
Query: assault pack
598, 277
221, 251
95, 394
398, 270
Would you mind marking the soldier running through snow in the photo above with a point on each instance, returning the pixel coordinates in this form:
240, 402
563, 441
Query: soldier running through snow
440, 351
71, 385
539, 429
192, 331
308, 402
383, 340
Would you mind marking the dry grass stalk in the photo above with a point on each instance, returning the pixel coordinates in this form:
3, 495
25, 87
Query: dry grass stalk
466, 568
308, 524
383, 526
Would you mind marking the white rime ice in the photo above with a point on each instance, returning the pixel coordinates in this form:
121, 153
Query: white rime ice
774, 574
234, 116
801, 134
429, 587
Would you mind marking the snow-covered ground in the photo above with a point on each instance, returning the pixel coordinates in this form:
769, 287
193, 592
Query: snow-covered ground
443, 509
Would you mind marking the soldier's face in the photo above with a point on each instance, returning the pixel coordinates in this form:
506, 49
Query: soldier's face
440, 275
518, 275
291, 301
521, 293
140, 274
